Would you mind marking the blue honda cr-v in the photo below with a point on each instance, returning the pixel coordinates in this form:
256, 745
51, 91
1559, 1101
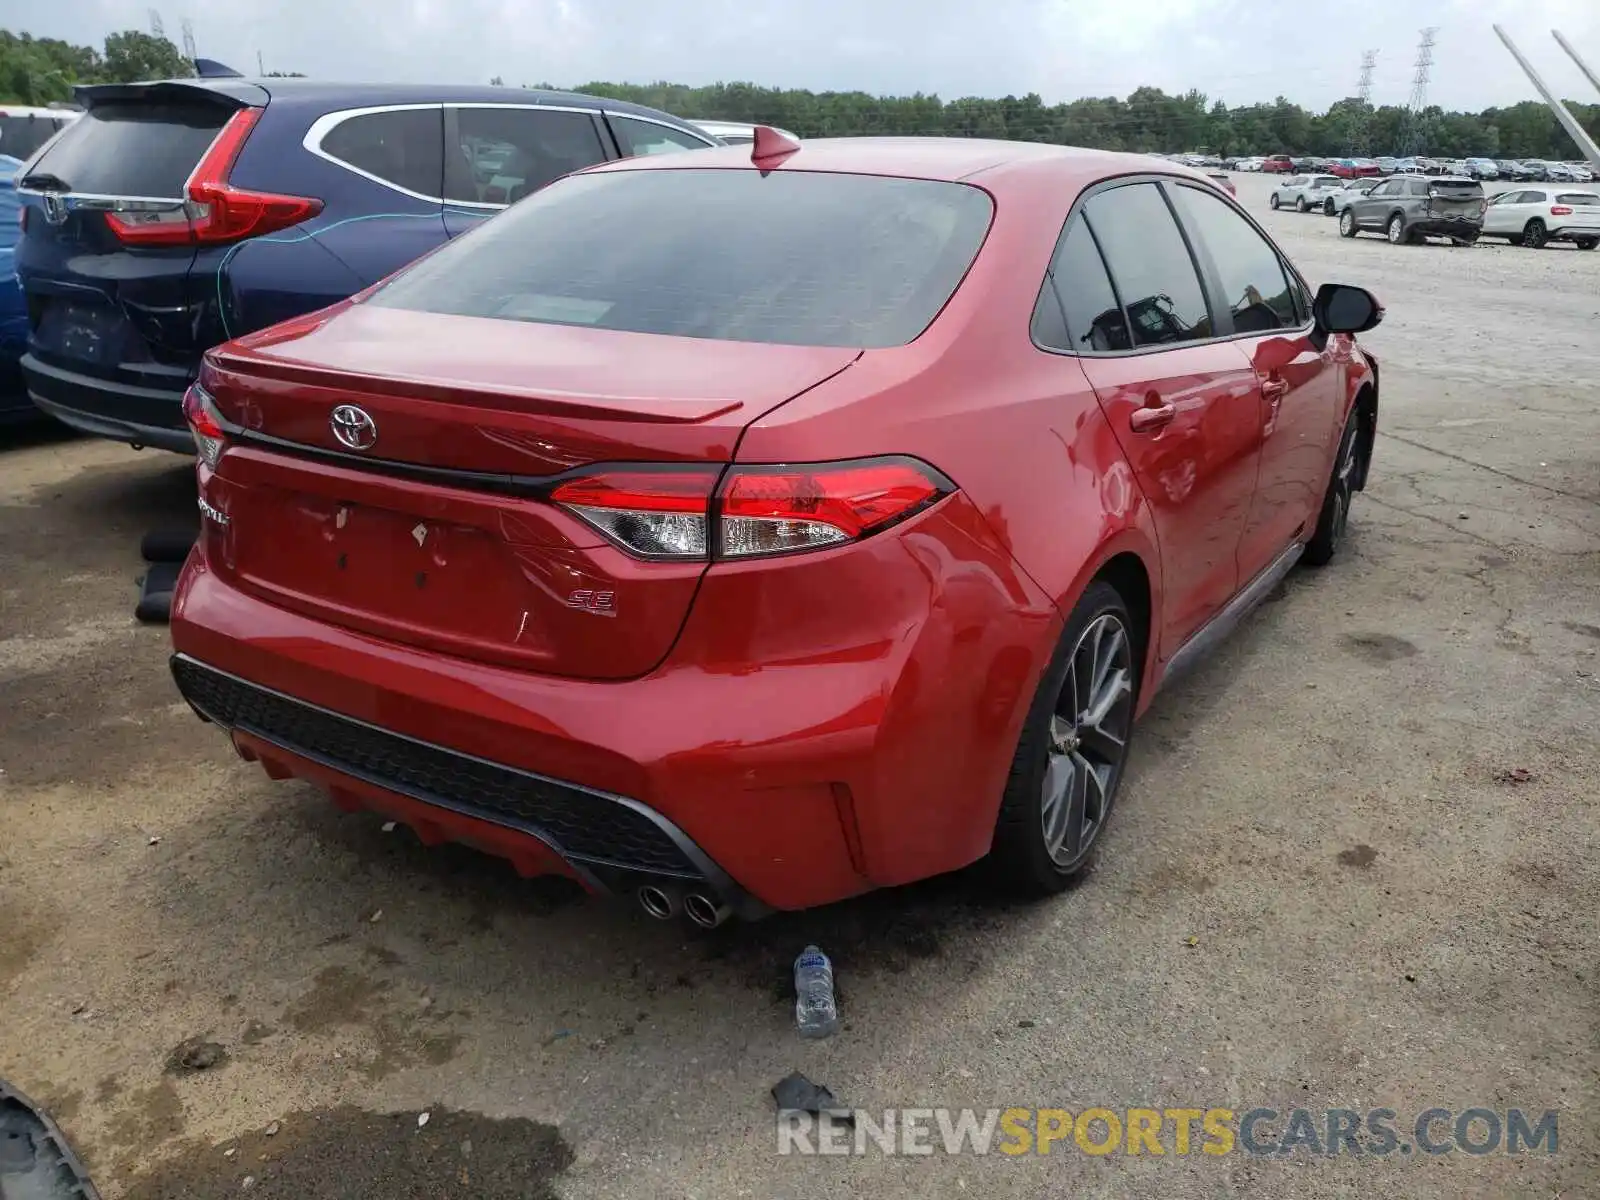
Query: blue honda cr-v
173, 216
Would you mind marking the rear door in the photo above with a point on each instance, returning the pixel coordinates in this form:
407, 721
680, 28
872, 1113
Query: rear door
97, 306
1187, 412
498, 154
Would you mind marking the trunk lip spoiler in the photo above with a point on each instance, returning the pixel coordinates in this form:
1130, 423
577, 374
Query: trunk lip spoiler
227, 92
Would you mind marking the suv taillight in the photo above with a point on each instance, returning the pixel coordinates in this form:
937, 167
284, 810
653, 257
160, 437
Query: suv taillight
210, 439
1560, 210
215, 212
679, 513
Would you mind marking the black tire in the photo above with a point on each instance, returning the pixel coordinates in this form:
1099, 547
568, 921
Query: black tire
1397, 232
1587, 243
1534, 235
1272, 201
1335, 515
1327, 207
1347, 224
1021, 858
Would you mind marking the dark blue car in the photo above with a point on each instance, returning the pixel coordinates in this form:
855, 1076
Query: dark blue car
173, 216
14, 405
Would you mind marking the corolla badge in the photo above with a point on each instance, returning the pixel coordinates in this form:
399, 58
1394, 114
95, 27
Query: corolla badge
354, 427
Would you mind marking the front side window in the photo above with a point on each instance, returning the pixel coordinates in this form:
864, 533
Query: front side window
1254, 283
1150, 264
646, 137
403, 147
509, 153
793, 258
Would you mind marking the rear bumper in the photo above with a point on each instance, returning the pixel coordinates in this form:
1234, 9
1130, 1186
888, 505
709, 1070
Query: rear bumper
795, 749
1572, 233
1446, 227
119, 412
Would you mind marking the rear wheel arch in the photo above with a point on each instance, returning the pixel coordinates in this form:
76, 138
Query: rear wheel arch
1126, 572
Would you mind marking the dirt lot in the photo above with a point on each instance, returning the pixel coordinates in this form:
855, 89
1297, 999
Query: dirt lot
1323, 888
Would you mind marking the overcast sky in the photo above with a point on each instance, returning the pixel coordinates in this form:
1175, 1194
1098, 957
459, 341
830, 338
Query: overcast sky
1235, 50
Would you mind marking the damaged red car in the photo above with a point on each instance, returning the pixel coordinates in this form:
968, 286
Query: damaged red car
747, 529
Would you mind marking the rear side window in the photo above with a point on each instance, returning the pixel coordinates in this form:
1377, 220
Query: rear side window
1082, 291
1150, 265
646, 137
510, 153
403, 147
133, 149
21, 135
793, 258
1254, 284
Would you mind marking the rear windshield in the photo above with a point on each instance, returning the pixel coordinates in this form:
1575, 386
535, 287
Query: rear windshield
1586, 199
1325, 181
133, 149
795, 258
1455, 189
21, 135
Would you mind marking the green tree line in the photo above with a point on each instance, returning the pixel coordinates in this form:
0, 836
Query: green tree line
1149, 121
39, 70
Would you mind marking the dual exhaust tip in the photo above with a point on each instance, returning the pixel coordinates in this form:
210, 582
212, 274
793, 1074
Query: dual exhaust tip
664, 903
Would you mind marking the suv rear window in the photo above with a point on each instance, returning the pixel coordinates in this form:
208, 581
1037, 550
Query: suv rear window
793, 258
133, 149
1455, 189
1586, 199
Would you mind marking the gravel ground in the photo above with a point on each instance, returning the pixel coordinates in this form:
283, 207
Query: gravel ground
1354, 866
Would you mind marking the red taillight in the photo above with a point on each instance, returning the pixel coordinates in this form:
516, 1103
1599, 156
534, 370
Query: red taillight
210, 439
652, 512
1560, 210
215, 211
667, 513
771, 510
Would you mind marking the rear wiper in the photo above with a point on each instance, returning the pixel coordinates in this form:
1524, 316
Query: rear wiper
43, 179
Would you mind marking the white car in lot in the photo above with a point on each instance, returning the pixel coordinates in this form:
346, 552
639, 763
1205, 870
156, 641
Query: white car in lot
1533, 216
1304, 192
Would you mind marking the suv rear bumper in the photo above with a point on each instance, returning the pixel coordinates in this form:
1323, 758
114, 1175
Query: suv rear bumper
119, 412
1446, 227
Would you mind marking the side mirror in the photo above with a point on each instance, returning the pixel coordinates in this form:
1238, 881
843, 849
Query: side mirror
1343, 308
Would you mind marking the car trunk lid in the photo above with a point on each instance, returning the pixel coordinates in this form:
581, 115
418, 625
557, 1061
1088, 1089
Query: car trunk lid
440, 533
1455, 199
99, 305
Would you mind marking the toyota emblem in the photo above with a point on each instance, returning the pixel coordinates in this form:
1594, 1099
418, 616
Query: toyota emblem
354, 427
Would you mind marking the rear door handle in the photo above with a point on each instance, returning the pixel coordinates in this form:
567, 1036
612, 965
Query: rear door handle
1151, 416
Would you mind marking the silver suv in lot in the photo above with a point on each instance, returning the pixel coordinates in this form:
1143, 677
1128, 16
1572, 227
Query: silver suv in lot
1304, 192
1411, 209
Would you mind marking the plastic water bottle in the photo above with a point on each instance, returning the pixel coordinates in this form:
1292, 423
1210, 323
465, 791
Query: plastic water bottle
815, 1013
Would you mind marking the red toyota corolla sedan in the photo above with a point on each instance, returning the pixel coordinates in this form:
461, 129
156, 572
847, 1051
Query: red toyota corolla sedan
745, 531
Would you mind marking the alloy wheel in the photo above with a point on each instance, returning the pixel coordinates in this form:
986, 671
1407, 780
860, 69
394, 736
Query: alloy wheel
1088, 740
1347, 223
1397, 231
1344, 487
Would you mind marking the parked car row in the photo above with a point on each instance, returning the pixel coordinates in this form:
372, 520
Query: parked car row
1530, 170
1409, 208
